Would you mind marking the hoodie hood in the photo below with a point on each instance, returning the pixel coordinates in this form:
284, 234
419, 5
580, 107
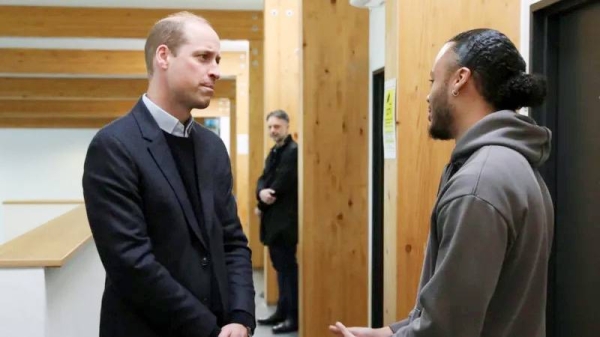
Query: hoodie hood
510, 129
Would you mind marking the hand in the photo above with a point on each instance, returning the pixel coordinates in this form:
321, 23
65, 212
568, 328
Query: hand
234, 330
257, 211
341, 331
267, 196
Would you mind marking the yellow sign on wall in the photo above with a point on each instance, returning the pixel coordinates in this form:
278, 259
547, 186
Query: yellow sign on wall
389, 120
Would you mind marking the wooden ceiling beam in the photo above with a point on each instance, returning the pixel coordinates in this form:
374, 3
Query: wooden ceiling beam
80, 108
19, 113
88, 88
41, 21
107, 63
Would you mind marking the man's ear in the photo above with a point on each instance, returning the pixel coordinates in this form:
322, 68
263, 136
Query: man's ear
463, 75
162, 56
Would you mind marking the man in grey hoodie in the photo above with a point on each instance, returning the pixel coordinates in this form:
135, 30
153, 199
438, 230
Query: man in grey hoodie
485, 269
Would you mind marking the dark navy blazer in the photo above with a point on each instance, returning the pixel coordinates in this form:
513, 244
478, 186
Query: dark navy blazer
148, 237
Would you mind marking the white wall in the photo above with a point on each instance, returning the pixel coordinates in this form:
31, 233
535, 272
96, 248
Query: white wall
525, 31
74, 295
224, 123
377, 38
23, 294
525, 36
42, 164
376, 61
21, 218
53, 302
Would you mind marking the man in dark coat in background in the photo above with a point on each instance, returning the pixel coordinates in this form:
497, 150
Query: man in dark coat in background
277, 194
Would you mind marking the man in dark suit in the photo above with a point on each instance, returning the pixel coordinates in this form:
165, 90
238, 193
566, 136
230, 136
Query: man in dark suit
277, 194
157, 189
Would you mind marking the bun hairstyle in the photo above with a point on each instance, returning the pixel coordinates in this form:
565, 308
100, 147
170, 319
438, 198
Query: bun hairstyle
498, 69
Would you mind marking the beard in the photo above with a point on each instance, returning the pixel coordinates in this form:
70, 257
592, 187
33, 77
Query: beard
441, 119
277, 138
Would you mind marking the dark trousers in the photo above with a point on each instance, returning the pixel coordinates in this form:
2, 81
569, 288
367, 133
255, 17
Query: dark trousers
286, 266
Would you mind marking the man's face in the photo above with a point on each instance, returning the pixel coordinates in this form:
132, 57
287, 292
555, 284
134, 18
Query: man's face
441, 112
194, 68
278, 128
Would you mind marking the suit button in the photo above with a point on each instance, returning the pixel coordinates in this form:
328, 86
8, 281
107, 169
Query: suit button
204, 261
204, 300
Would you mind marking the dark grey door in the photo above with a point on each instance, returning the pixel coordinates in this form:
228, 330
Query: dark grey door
377, 200
577, 288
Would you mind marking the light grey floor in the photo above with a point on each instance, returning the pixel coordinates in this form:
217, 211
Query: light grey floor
263, 310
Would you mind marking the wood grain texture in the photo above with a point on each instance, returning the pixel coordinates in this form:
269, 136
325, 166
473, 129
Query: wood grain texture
256, 140
282, 82
54, 122
38, 21
107, 63
89, 88
424, 27
390, 179
72, 113
59, 88
241, 131
334, 167
65, 108
41, 202
233, 142
49, 245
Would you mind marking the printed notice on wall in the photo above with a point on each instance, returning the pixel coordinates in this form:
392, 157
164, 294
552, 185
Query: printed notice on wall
389, 119
242, 143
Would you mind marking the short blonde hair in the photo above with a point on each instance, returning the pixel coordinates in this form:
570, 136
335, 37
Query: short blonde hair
170, 32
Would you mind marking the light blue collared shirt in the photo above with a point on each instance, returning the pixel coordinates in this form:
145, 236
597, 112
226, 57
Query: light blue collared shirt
166, 121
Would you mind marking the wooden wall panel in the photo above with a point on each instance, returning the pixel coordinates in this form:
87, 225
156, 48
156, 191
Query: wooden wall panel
225, 88
256, 140
38, 108
219, 107
58, 88
91, 88
108, 63
242, 185
54, 122
233, 142
74, 112
282, 84
64, 61
117, 22
334, 166
242, 160
424, 26
390, 180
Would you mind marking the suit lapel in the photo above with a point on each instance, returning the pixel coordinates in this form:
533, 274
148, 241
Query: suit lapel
161, 153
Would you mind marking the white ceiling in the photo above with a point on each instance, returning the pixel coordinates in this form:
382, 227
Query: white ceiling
179, 4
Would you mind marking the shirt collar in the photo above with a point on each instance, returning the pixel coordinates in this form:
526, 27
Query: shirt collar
166, 121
